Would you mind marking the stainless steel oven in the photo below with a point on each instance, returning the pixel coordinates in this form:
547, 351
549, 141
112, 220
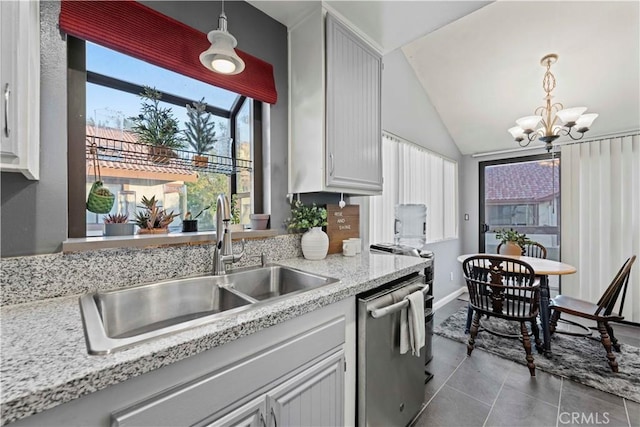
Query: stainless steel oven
390, 385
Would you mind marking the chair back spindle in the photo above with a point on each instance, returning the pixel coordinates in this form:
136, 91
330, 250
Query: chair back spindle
501, 286
606, 303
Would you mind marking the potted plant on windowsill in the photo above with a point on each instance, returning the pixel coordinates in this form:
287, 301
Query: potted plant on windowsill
152, 219
512, 242
118, 225
200, 132
311, 219
157, 127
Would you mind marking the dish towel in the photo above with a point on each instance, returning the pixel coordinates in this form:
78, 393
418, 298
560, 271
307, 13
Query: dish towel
412, 334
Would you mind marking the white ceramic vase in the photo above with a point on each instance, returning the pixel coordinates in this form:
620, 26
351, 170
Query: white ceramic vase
315, 244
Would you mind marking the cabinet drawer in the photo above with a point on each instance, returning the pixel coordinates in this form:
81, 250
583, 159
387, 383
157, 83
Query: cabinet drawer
191, 402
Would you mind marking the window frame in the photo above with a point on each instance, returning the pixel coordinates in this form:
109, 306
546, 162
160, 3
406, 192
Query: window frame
77, 79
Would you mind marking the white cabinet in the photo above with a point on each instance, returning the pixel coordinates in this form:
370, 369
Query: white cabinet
283, 374
257, 388
313, 397
20, 87
335, 95
251, 414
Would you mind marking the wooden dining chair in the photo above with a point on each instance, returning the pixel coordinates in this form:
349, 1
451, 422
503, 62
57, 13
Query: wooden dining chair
602, 311
505, 288
533, 249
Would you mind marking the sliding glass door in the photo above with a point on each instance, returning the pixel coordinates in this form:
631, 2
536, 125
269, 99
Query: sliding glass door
521, 194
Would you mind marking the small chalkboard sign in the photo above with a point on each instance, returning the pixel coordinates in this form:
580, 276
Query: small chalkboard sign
342, 223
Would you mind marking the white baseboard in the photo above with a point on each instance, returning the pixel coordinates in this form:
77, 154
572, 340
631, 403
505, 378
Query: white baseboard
443, 301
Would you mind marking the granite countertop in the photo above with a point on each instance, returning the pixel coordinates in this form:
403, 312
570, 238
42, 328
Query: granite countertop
44, 355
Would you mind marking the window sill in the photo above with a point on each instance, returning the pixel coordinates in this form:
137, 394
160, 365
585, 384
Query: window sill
155, 240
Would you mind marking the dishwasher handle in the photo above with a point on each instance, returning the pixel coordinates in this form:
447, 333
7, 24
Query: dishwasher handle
381, 312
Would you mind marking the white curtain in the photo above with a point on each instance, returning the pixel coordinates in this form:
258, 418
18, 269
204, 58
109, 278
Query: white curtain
412, 174
600, 184
381, 208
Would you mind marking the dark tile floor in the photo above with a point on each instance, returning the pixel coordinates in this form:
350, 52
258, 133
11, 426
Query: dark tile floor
486, 390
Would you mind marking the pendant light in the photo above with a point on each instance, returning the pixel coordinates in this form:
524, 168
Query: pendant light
545, 124
221, 56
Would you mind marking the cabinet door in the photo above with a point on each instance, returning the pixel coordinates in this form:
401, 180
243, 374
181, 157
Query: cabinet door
314, 397
20, 87
251, 414
354, 141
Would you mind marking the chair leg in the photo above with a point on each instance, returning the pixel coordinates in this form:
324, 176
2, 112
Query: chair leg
474, 332
553, 322
606, 342
467, 325
614, 340
536, 335
527, 348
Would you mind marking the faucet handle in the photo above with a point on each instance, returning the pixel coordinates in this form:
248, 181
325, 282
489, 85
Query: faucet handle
236, 257
263, 259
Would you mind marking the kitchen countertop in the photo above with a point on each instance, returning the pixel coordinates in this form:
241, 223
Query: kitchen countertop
44, 356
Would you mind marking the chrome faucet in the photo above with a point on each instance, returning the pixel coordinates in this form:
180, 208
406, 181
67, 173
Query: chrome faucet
223, 255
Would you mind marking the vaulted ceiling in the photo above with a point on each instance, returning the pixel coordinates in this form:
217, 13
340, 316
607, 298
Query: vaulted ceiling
479, 62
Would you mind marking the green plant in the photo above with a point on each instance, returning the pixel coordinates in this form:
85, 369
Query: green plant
304, 217
200, 129
511, 235
116, 218
155, 125
235, 210
152, 216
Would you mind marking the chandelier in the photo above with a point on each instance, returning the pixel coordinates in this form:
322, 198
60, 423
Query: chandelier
544, 124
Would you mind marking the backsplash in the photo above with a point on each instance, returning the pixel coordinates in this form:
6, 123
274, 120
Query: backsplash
32, 278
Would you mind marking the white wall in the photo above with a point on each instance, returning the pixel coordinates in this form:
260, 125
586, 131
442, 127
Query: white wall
408, 112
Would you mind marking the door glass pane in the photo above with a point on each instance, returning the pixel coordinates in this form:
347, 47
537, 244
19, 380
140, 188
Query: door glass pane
524, 196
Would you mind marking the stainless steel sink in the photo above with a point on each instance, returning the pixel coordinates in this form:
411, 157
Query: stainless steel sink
270, 282
121, 318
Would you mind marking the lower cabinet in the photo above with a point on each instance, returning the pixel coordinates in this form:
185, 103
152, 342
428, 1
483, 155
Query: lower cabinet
313, 397
293, 382
290, 374
251, 414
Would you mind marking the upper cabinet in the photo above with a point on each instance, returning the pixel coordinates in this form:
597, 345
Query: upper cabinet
20, 87
335, 123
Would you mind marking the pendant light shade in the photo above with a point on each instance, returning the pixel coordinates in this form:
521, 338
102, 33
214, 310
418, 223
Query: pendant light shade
221, 56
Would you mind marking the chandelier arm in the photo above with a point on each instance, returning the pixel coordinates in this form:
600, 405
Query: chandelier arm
557, 107
571, 135
523, 144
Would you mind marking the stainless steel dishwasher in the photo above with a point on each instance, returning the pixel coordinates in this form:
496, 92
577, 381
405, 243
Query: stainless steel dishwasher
390, 384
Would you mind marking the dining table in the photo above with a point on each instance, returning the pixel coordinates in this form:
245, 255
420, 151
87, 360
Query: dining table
543, 268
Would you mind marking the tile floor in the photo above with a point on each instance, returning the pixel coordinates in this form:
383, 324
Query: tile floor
486, 390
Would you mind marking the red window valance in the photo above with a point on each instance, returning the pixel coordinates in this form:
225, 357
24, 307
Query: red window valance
139, 31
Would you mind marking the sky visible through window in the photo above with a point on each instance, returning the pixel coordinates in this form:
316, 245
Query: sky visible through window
104, 103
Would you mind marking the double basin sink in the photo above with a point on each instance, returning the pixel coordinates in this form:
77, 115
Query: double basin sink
118, 319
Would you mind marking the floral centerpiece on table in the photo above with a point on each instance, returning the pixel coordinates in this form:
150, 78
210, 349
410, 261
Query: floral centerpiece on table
512, 238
